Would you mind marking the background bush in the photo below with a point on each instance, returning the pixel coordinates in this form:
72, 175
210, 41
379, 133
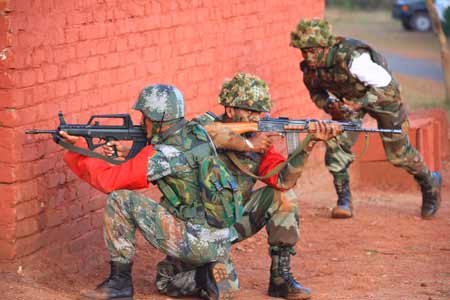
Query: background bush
360, 4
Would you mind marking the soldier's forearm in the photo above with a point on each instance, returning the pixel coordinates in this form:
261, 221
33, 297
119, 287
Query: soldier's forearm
225, 138
294, 169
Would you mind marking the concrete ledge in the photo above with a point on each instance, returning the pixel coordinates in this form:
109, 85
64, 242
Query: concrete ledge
428, 133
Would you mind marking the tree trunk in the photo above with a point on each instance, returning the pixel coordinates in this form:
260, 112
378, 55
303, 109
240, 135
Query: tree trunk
445, 54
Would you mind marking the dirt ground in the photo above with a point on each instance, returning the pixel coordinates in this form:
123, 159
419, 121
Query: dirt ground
385, 252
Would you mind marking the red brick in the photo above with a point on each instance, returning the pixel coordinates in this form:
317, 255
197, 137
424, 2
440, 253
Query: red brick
7, 174
8, 193
28, 209
7, 232
27, 227
7, 216
95, 203
6, 80
75, 210
97, 219
28, 78
57, 235
92, 64
80, 244
23, 191
28, 245
93, 32
56, 217
7, 250
80, 227
64, 53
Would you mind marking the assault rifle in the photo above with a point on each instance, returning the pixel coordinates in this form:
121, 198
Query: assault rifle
93, 132
291, 128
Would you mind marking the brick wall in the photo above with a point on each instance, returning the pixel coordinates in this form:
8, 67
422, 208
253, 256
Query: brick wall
88, 56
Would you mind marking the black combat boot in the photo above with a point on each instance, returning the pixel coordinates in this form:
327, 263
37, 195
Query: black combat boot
282, 282
118, 286
344, 207
175, 278
214, 280
431, 194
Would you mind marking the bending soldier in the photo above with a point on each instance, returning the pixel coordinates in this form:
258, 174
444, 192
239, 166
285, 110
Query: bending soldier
348, 79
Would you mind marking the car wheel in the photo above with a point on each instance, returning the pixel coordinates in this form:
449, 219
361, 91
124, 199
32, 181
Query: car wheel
421, 22
406, 23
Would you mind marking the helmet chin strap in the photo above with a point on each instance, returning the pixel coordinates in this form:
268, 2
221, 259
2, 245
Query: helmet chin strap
157, 129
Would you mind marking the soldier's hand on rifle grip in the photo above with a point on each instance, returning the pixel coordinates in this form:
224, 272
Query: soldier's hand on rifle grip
323, 131
261, 142
120, 150
70, 139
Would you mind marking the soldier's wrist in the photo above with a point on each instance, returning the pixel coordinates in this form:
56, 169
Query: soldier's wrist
310, 145
249, 144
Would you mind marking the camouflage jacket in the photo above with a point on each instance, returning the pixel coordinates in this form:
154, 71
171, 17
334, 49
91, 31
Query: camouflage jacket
284, 180
174, 168
335, 78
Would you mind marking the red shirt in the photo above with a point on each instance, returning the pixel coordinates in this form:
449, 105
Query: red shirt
130, 175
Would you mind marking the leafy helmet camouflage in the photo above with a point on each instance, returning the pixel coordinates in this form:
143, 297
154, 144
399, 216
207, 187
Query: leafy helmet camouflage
246, 91
312, 33
161, 102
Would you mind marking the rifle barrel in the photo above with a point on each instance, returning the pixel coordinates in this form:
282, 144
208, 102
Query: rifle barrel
381, 130
36, 131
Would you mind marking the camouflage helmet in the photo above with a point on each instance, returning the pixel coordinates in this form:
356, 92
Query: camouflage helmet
246, 91
160, 102
312, 33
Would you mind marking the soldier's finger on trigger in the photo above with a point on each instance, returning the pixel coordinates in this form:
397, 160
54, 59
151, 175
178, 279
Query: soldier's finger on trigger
321, 127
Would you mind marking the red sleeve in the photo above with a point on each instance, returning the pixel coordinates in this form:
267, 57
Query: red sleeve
131, 175
270, 160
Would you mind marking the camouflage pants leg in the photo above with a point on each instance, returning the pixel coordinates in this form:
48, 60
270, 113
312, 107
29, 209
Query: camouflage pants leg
127, 211
175, 278
399, 150
402, 154
339, 156
274, 209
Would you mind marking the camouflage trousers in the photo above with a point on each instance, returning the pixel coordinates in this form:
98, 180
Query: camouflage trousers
266, 207
399, 151
194, 244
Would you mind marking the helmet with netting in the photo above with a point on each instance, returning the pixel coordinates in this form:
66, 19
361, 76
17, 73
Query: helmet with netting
312, 33
161, 102
246, 91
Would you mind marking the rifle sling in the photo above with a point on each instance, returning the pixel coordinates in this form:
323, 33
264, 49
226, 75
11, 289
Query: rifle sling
89, 153
366, 146
172, 129
232, 156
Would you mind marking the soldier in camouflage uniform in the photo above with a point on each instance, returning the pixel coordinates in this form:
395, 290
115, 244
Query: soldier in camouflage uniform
348, 79
274, 206
176, 225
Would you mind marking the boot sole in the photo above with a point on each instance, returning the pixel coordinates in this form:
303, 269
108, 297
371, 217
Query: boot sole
84, 297
220, 275
290, 297
431, 215
340, 213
